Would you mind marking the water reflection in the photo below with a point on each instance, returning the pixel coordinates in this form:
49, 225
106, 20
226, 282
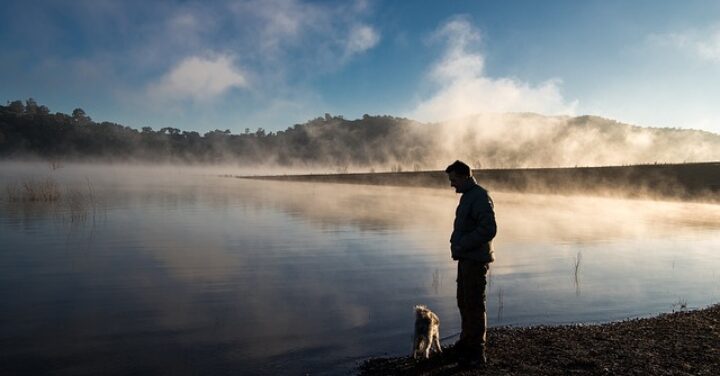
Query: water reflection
217, 275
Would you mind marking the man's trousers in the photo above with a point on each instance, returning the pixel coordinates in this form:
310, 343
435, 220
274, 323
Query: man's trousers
471, 297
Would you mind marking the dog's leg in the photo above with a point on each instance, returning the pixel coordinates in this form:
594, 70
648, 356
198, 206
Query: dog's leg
436, 342
424, 347
415, 348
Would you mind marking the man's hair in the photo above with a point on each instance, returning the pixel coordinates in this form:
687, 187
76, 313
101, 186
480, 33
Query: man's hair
459, 168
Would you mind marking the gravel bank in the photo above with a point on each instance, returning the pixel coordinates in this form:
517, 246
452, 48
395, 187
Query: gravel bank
681, 343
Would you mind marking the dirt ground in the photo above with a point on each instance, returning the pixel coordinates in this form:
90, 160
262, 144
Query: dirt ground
681, 343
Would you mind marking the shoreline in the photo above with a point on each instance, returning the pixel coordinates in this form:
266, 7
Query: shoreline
678, 343
688, 181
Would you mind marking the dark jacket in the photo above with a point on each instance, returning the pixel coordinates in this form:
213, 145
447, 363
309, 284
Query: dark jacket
474, 226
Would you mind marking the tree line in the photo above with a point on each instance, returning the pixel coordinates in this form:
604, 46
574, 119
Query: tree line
28, 129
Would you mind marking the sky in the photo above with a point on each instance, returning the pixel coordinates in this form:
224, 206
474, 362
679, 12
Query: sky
240, 64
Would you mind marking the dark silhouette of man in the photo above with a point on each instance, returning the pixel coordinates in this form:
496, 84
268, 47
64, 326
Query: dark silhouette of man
471, 245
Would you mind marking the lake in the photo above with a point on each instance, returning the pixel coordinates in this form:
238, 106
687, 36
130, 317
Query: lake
181, 271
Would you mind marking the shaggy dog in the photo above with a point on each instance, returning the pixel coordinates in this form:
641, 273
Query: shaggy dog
427, 332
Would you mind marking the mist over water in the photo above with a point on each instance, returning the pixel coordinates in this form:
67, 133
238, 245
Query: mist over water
184, 271
372, 143
509, 140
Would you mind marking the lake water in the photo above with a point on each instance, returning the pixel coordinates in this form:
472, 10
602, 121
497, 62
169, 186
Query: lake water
185, 272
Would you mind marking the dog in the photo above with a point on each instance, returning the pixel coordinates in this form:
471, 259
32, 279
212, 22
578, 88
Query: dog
427, 332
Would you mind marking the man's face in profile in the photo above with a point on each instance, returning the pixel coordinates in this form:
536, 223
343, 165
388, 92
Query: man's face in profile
455, 179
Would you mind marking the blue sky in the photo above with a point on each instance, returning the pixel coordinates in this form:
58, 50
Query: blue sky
271, 64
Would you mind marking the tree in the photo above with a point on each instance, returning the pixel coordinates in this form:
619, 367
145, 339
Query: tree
80, 117
31, 106
171, 131
78, 112
192, 135
16, 106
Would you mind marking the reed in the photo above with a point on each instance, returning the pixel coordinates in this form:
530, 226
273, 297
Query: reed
681, 305
81, 204
436, 282
576, 272
501, 304
78, 202
54, 165
576, 266
46, 190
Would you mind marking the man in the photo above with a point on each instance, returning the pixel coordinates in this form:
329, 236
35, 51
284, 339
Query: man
471, 245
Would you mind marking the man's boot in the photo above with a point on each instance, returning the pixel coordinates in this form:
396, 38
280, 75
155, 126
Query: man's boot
473, 359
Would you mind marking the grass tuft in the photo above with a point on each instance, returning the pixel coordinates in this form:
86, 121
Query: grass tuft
46, 190
79, 203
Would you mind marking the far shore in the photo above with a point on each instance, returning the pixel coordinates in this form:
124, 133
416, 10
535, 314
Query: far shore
685, 181
679, 343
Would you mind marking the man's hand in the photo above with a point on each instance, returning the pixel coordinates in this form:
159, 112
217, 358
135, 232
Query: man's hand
455, 251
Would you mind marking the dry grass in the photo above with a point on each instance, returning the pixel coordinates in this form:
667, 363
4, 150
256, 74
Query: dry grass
46, 190
54, 165
75, 203
680, 305
82, 203
576, 271
501, 304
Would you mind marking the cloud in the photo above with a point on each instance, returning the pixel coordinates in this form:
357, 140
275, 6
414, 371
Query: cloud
172, 52
183, 22
463, 88
276, 29
699, 43
709, 49
199, 79
285, 45
277, 24
361, 39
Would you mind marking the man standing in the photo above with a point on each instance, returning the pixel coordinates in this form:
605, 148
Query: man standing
471, 245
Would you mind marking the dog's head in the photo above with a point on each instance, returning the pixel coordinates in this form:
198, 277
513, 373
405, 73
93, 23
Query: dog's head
422, 312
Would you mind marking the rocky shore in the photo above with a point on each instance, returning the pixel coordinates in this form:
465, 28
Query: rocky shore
680, 343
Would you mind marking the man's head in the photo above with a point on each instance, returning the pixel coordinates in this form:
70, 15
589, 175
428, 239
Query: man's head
458, 172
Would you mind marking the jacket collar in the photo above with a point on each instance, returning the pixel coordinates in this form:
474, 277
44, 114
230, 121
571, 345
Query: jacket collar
467, 185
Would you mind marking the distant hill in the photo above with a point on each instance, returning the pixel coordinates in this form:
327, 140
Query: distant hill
29, 130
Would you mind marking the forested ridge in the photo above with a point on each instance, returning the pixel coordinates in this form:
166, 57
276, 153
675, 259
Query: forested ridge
30, 130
